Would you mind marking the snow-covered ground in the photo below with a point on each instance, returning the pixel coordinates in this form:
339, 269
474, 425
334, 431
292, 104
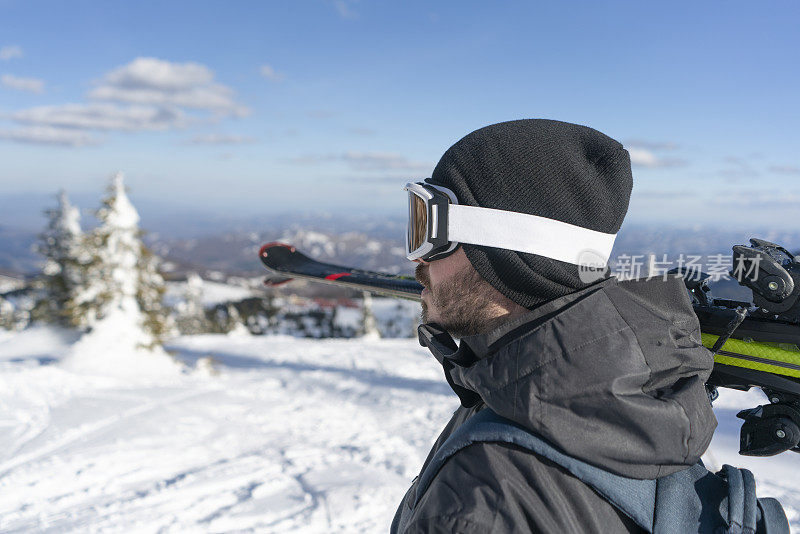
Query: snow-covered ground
212, 293
10, 283
261, 433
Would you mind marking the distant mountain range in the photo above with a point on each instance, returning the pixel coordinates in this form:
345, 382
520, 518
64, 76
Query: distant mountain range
25, 212
16, 251
231, 248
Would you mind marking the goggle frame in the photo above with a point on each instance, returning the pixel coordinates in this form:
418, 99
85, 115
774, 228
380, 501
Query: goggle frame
436, 199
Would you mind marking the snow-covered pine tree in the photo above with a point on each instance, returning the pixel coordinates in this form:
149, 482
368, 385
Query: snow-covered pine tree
123, 274
6, 315
369, 326
191, 312
62, 274
150, 296
235, 323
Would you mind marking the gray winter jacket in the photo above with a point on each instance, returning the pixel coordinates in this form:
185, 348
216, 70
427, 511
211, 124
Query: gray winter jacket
613, 375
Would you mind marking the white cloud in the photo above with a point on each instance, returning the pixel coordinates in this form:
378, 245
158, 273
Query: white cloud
651, 145
343, 9
10, 52
367, 161
153, 73
47, 135
642, 157
738, 169
660, 194
221, 139
101, 116
162, 83
320, 114
144, 95
785, 169
382, 161
31, 85
362, 131
271, 74
752, 198
646, 154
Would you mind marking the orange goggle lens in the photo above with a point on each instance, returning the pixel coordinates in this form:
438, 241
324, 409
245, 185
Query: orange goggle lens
417, 221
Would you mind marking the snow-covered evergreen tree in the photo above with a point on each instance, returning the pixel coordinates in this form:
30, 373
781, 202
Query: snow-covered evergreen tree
369, 326
61, 244
150, 296
121, 299
123, 273
235, 324
7, 320
191, 313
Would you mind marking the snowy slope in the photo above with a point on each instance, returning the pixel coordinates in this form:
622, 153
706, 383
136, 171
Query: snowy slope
276, 435
285, 435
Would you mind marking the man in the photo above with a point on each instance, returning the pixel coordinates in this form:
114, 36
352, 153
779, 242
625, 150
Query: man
610, 373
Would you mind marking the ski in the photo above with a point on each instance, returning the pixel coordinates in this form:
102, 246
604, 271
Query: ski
287, 263
753, 345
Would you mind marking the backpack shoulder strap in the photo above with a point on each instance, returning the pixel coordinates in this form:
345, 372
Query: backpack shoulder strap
773, 518
691, 500
635, 498
742, 502
697, 500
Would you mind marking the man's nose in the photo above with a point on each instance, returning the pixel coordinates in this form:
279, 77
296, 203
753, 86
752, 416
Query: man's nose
421, 261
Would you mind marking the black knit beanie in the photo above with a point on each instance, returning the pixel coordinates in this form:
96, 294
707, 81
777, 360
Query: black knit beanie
553, 169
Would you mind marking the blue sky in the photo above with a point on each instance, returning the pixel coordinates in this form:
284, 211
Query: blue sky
264, 107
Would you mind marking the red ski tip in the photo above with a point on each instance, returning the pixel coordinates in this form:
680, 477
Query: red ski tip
263, 252
336, 276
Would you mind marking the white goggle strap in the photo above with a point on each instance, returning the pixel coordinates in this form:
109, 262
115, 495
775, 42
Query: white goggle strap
532, 234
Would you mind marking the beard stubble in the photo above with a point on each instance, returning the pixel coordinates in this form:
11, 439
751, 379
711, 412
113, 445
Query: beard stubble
464, 304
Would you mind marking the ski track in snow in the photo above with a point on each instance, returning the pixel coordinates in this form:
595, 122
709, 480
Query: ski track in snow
286, 435
283, 435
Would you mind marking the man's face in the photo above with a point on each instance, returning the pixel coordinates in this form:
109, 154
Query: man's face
458, 299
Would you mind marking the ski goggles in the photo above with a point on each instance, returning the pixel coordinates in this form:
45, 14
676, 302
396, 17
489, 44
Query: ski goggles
437, 224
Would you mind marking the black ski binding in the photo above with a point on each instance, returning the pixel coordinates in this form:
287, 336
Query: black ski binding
770, 429
772, 273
